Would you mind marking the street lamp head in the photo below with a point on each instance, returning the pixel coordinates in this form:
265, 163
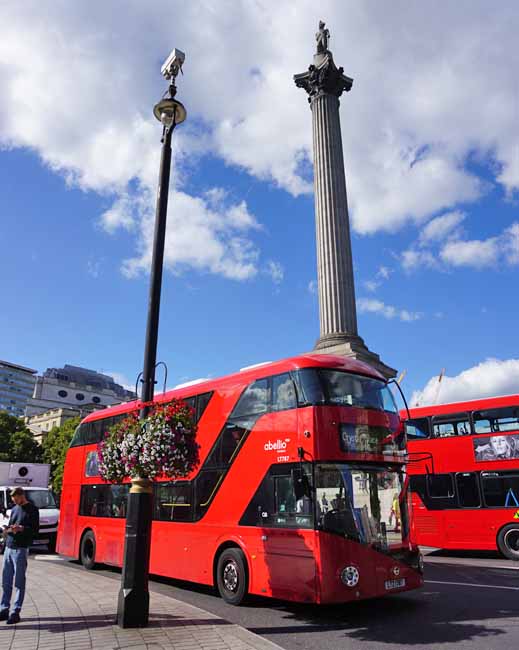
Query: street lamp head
170, 112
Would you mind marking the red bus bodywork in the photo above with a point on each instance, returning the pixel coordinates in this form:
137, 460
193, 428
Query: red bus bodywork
298, 564
464, 474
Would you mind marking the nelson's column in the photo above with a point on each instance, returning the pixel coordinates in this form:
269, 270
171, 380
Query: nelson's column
325, 83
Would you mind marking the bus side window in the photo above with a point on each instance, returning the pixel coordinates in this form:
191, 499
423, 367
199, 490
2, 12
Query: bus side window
206, 485
173, 501
119, 500
495, 420
283, 393
202, 402
440, 486
500, 490
455, 424
468, 490
230, 441
418, 428
253, 401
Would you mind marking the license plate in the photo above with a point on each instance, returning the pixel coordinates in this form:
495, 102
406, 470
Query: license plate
394, 584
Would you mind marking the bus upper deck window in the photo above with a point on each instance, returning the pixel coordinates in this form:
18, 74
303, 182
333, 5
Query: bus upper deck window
418, 428
456, 424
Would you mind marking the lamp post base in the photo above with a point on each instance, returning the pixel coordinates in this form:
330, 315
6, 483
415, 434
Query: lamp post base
133, 604
133, 608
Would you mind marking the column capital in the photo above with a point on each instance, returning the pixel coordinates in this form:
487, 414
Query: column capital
323, 77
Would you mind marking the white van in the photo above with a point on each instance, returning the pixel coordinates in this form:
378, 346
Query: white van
34, 478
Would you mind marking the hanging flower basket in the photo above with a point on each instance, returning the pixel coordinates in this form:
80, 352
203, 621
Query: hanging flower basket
161, 445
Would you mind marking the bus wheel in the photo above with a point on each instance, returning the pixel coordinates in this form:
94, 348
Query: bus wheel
87, 551
508, 541
231, 576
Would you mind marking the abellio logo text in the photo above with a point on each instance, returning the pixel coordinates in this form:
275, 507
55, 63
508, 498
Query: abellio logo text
275, 446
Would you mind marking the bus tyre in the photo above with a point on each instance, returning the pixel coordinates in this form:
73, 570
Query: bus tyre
231, 576
87, 551
508, 541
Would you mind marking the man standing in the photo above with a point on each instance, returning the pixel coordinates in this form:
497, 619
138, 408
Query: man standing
23, 525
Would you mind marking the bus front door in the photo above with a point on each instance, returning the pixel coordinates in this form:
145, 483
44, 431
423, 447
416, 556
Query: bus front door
290, 562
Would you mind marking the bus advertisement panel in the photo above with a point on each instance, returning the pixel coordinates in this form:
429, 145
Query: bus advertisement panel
464, 475
301, 492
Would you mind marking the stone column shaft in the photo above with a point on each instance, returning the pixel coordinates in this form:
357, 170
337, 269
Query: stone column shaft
337, 307
325, 82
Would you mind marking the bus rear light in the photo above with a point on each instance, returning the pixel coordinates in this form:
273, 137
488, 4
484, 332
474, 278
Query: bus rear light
350, 576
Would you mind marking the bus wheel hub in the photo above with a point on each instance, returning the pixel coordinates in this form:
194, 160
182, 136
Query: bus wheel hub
230, 576
512, 539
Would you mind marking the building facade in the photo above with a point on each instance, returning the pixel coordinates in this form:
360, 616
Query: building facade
72, 386
16, 387
39, 425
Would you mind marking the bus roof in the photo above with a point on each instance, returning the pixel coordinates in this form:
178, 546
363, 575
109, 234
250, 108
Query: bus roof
245, 376
468, 405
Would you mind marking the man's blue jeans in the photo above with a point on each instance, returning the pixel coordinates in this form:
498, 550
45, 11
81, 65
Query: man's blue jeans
15, 566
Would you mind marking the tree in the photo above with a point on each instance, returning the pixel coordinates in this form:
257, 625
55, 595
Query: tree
55, 447
17, 444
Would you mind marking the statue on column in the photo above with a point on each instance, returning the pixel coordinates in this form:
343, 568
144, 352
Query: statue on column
322, 37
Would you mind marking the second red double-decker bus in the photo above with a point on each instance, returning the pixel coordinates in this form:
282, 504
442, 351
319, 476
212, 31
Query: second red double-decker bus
465, 475
300, 493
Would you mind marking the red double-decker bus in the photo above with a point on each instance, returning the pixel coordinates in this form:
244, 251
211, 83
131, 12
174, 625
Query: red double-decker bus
464, 475
300, 494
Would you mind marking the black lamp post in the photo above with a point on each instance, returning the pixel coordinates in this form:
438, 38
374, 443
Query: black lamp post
133, 603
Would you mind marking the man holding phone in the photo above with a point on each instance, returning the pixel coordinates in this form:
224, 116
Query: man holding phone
24, 524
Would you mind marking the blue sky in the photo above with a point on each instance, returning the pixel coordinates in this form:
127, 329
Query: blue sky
432, 169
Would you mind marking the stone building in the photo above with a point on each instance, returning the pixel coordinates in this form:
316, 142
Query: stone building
74, 387
39, 425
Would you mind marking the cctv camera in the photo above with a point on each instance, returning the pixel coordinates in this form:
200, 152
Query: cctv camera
173, 63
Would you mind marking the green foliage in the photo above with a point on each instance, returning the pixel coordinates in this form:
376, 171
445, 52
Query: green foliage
55, 447
17, 444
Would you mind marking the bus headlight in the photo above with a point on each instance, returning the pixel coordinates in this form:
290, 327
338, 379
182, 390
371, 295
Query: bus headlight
420, 562
350, 576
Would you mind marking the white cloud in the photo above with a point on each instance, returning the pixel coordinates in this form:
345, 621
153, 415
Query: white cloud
441, 246
418, 258
199, 237
476, 253
370, 305
313, 287
275, 270
120, 215
487, 379
371, 285
384, 272
411, 122
440, 227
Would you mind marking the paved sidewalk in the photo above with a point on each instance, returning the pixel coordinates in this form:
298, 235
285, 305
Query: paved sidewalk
75, 610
